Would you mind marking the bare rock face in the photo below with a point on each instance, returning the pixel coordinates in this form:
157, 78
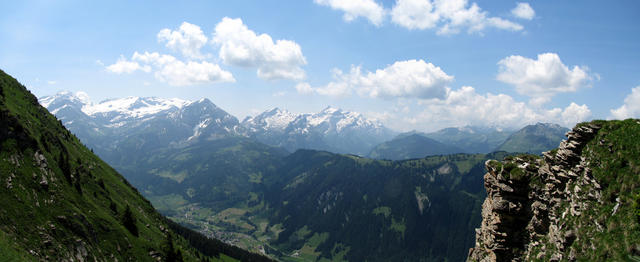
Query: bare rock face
528, 199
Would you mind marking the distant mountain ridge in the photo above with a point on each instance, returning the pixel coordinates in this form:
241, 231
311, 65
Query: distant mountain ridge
157, 122
412, 146
472, 139
534, 139
331, 129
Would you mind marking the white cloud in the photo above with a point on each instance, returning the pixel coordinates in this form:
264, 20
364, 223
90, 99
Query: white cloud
415, 14
542, 78
154, 58
52, 82
524, 11
574, 113
411, 78
466, 107
188, 40
631, 106
353, 9
451, 16
173, 71
335, 89
240, 46
122, 66
304, 88
179, 73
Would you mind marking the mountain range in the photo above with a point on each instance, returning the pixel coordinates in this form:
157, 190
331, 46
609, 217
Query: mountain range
301, 206
331, 129
60, 202
533, 139
239, 181
150, 123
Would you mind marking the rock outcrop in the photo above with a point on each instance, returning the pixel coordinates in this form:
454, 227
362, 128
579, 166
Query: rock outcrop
529, 200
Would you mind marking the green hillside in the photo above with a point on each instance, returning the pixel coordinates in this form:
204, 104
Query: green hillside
315, 205
411, 146
61, 202
534, 139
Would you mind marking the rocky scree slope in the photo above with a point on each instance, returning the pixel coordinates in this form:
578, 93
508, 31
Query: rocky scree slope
579, 202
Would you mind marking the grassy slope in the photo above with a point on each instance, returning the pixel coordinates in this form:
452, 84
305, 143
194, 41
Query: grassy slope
533, 139
411, 146
79, 210
614, 155
337, 207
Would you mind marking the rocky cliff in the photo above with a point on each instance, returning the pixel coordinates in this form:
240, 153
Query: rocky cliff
577, 202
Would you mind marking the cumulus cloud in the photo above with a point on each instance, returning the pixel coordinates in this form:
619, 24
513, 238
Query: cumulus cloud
631, 106
410, 78
188, 40
451, 16
542, 78
353, 9
415, 14
240, 46
173, 71
304, 88
574, 113
524, 11
465, 106
123, 66
180, 73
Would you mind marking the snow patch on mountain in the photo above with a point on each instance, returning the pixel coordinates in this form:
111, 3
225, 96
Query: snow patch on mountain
197, 130
331, 129
274, 120
135, 107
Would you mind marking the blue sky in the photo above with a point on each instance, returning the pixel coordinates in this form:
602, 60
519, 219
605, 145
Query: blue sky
413, 64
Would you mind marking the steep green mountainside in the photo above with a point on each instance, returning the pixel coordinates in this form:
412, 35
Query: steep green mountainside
339, 207
534, 139
60, 202
471, 139
579, 202
217, 173
411, 146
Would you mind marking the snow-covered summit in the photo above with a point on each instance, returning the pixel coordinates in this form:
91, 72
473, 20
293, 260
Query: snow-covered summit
274, 119
135, 107
331, 129
128, 107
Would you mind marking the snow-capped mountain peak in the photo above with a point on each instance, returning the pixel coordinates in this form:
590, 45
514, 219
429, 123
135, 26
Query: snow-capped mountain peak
135, 107
63, 98
151, 121
331, 129
274, 119
128, 107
